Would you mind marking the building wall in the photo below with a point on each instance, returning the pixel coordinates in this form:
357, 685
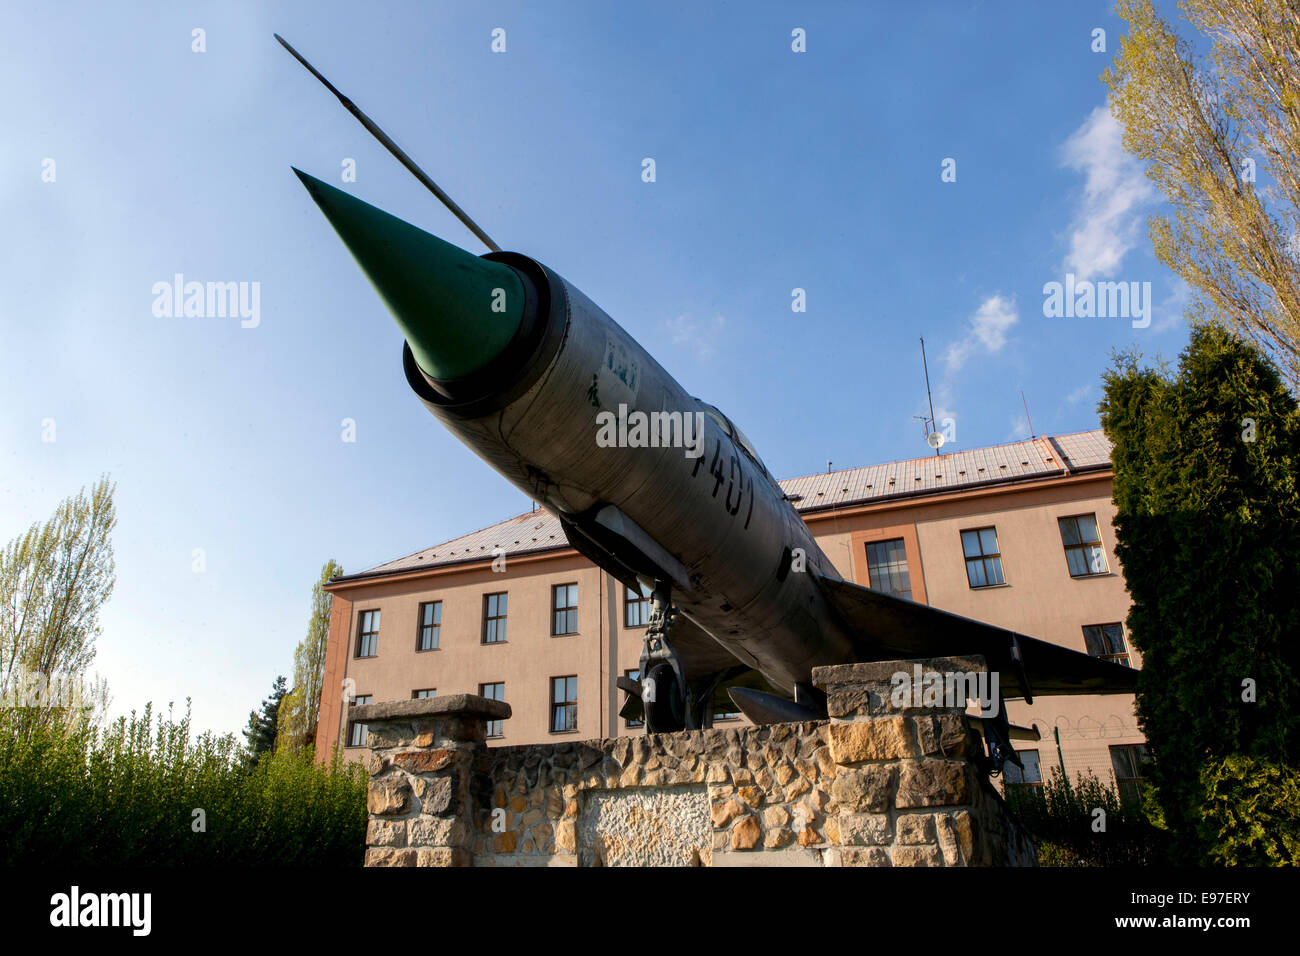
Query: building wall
1039, 598
601, 650
330, 714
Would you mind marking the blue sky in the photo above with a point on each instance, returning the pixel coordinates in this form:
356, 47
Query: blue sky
775, 170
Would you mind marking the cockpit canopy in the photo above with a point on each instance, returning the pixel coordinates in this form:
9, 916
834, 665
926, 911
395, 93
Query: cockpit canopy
736, 435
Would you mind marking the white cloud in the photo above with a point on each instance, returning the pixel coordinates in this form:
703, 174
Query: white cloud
944, 404
1170, 312
698, 336
1106, 225
1019, 429
1078, 395
988, 330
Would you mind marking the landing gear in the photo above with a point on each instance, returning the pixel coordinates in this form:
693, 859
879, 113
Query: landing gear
665, 709
997, 737
665, 695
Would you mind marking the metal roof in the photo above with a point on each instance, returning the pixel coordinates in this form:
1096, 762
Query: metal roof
539, 531
524, 534
1037, 458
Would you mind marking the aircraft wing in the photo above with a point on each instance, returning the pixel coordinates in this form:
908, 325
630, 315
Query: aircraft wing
700, 654
885, 627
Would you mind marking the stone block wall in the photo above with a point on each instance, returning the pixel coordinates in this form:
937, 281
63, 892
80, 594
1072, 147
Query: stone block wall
681, 799
909, 790
873, 786
420, 760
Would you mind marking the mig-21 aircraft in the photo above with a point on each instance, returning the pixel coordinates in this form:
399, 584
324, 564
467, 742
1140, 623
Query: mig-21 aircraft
653, 485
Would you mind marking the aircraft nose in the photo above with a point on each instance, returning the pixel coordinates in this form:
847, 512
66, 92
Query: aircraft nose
458, 312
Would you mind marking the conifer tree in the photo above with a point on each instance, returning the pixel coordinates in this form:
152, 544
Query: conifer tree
1208, 530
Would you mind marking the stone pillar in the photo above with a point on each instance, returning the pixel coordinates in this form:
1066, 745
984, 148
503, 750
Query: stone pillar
908, 789
420, 758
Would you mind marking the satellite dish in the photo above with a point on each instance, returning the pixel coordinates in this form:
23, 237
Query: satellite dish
934, 440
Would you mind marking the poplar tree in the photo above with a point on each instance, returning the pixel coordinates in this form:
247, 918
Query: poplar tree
54, 579
300, 709
1221, 138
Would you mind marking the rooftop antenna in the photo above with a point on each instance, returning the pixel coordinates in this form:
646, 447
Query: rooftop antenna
932, 438
1030, 423
393, 148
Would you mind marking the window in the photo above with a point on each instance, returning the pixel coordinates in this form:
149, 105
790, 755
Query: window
429, 629
1031, 776
1083, 551
494, 618
633, 674
1107, 642
564, 704
726, 714
636, 607
887, 568
564, 599
368, 634
493, 692
422, 694
356, 729
1127, 761
983, 560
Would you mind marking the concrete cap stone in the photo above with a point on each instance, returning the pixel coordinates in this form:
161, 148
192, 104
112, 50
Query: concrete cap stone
882, 672
451, 705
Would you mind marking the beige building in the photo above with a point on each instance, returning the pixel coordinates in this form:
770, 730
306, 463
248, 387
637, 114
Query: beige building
1019, 535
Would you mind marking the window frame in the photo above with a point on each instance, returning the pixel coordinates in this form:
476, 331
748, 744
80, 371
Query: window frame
357, 701
500, 620
907, 567
1022, 782
362, 634
424, 693
494, 728
728, 716
1121, 658
1083, 546
983, 559
1137, 755
569, 611
435, 628
643, 603
633, 674
571, 706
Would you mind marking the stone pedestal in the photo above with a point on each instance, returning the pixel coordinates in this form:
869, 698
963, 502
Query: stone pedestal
908, 790
420, 761
885, 782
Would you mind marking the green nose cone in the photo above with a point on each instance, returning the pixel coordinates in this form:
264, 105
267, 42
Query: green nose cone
457, 311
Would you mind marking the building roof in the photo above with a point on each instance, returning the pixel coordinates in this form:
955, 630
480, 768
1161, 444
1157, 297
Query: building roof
1017, 461
1048, 457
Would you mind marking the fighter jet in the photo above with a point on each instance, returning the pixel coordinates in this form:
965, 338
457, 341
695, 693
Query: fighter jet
531, 374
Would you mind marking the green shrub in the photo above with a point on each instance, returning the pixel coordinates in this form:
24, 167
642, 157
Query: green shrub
1061, 816
1252, 812
127, 795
